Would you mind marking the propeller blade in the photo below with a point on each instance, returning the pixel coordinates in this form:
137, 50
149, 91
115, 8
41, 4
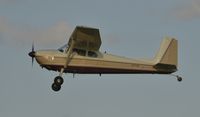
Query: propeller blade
32, 53
33, 46
32, 61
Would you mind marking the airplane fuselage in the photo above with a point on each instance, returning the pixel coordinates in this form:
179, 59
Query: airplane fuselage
103, 63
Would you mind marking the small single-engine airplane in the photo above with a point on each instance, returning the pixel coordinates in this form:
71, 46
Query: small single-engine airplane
81, 55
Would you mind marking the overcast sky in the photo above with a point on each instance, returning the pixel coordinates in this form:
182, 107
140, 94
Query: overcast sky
131, 28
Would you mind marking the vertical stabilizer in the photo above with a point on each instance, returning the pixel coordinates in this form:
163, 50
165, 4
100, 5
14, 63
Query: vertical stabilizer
168, 53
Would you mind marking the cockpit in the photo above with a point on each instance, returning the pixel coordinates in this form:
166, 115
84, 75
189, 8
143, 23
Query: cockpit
80, 52
88, 53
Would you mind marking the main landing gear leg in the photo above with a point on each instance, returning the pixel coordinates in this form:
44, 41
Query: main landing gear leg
58, 81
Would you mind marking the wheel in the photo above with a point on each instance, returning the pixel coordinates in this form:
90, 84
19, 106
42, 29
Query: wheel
58, 80
55, 87
179, 78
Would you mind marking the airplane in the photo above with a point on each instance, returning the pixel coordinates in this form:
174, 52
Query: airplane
82, 56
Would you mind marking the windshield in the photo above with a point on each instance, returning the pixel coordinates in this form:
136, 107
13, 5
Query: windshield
63, 48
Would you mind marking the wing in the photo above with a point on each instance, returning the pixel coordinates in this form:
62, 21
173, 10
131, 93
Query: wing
86, 38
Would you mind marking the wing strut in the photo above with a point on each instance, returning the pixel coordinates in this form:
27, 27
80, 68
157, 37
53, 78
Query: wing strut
58, 81
69, 52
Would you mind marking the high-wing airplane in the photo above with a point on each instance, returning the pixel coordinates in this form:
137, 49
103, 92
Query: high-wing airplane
81, 55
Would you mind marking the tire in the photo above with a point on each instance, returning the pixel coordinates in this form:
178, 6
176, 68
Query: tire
179, 79
58, 80
55, 87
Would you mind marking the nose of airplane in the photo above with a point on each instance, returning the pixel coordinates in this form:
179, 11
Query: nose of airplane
31, 54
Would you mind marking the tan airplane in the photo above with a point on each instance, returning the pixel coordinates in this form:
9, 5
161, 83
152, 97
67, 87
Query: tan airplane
82, 55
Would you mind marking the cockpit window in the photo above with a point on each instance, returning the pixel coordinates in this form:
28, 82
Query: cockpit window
79, 51
92, 54
63, 48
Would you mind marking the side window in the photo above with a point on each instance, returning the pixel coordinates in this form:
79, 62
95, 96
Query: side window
92, 54
79, 51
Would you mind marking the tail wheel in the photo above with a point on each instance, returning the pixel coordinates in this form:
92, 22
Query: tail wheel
55, 87
179, 78
58, 80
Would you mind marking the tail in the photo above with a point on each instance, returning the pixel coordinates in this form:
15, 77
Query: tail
167, 56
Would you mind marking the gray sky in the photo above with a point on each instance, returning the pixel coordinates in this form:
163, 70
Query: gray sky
132, 28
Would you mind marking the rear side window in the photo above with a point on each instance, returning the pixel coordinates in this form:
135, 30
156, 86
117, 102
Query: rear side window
92, 54
79, 51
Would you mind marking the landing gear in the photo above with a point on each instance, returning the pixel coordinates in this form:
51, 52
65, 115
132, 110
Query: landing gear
179, 78
56, 87
58, 81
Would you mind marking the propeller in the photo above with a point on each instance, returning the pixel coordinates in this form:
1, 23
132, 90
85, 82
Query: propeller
32, 53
